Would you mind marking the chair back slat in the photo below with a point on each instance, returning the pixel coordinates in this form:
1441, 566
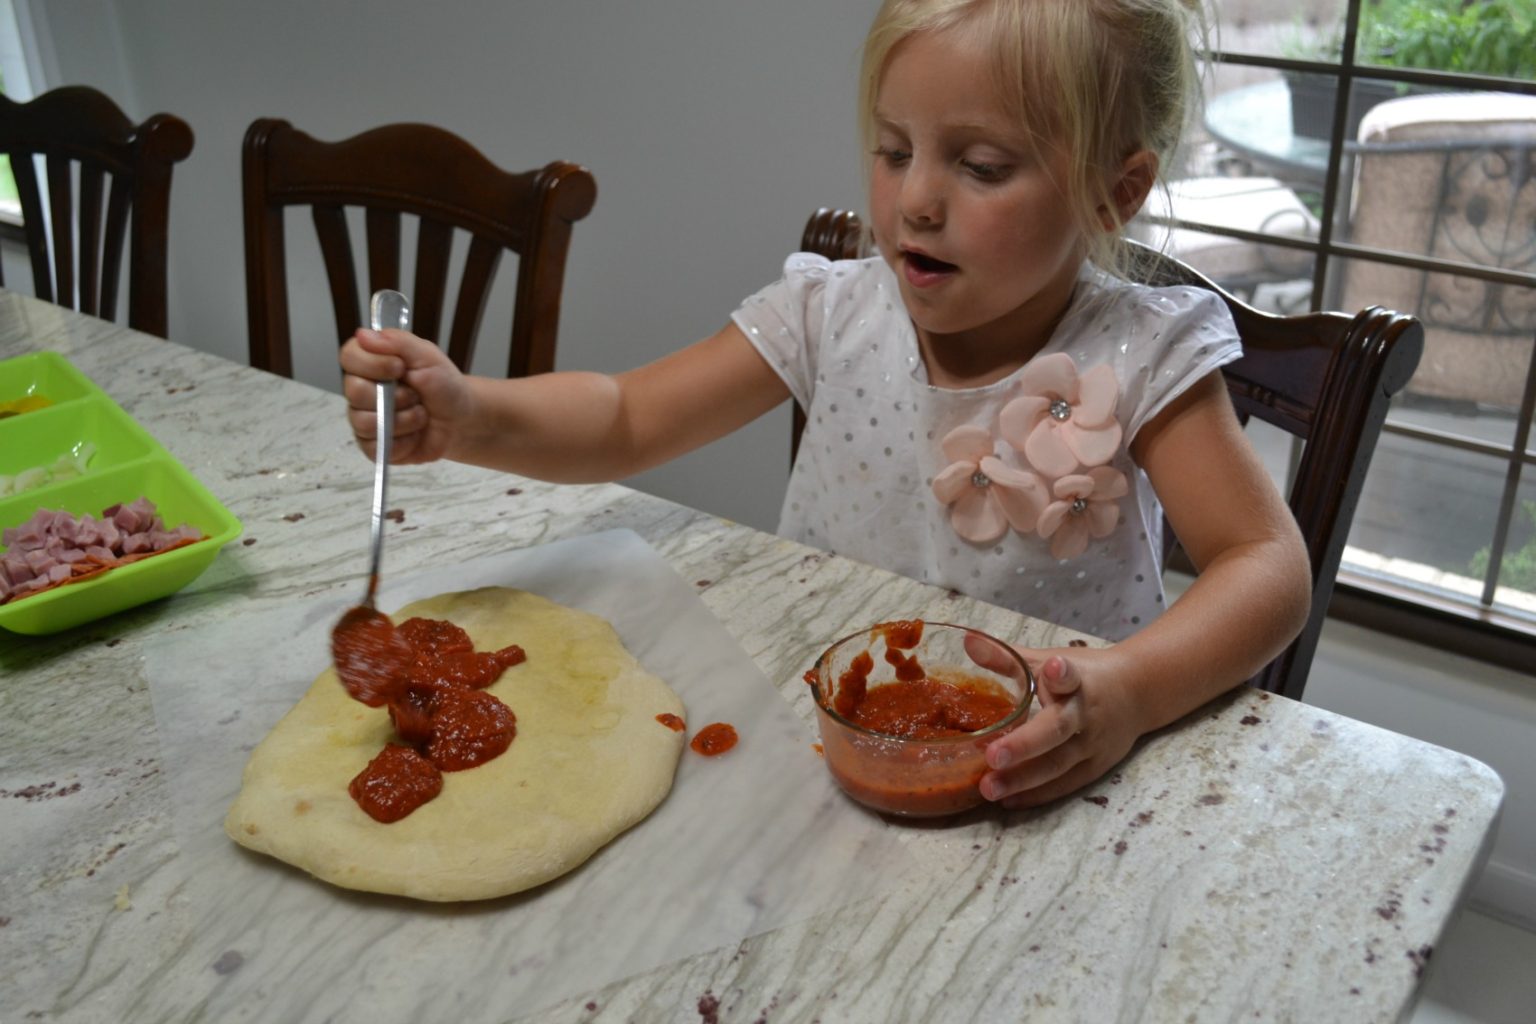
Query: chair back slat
336, 250
79, 131
119, 199
474, 290
1325, 378
434, 242
89, 237
431, 174
383, 230
62, 221
25, 172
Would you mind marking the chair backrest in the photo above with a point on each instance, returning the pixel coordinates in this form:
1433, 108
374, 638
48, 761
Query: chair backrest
76, 246
1325, 378
433, 175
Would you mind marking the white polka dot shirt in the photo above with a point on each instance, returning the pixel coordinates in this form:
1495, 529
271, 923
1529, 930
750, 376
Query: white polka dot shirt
839, 336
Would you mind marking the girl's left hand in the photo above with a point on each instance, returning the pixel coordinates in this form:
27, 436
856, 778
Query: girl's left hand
1084, 727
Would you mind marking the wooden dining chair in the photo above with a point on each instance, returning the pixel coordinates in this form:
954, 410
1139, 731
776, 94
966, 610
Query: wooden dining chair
1324, 378
76, 246
430, 174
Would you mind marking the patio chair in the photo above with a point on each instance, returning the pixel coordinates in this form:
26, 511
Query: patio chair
76, 247
1451, 176
1324, 378
450, 186
1254, 203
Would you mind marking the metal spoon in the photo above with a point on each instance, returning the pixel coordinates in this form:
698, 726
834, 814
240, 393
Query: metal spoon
387, 309
367, 652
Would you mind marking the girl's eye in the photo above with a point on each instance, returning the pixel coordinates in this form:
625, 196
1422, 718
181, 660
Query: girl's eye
985, 171
892, 155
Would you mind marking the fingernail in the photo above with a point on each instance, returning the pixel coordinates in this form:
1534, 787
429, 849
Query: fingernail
998, 758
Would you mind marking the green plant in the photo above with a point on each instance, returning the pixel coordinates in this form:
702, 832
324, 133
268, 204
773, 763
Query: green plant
1484, 37
1479, 37
1518, 570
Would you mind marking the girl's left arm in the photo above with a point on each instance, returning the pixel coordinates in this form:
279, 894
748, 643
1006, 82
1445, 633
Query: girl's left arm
1249, 600
1254, 584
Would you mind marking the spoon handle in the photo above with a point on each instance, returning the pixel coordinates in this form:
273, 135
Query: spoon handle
388, 308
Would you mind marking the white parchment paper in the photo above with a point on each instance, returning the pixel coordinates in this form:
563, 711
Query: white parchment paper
744, 843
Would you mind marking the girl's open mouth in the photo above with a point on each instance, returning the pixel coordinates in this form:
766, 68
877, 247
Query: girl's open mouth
923, 270
928, 265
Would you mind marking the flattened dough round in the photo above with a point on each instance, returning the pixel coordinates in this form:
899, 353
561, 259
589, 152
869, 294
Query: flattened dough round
589, 760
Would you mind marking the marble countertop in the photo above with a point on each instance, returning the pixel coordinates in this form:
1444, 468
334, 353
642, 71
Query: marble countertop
1259, 860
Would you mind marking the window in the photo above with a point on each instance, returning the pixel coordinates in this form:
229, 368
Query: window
1418, 192
15, 82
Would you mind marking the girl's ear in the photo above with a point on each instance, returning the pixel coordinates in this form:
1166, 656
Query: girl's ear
1137, 175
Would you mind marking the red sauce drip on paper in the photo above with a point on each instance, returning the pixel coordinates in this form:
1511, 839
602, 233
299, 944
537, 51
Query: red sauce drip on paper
427, 672
714, 739
671, 721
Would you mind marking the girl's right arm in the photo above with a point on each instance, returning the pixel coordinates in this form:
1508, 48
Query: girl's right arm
567, 427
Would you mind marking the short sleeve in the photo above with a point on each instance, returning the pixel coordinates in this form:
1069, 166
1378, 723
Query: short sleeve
1185, 334
784, 322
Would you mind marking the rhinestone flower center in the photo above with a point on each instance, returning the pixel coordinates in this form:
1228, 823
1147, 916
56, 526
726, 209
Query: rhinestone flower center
1060, 410
980, 479
1079, 506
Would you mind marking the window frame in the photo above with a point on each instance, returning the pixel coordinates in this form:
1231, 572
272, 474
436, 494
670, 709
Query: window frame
1480, 631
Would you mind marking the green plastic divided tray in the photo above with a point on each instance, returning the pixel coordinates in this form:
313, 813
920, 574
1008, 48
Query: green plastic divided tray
128, 463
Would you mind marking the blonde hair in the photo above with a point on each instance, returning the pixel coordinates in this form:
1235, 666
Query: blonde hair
1101, 79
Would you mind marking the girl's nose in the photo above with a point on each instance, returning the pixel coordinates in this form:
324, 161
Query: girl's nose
922, 194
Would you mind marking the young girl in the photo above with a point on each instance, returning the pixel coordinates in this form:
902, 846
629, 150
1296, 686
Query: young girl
989, 408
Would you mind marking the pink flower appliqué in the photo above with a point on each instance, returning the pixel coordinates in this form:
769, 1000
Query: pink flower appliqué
985, 495
1084, 507
1063, 419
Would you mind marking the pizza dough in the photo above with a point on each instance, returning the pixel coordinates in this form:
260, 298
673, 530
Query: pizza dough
589, 760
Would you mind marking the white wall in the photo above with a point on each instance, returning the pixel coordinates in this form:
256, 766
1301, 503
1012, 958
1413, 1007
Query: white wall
713, 127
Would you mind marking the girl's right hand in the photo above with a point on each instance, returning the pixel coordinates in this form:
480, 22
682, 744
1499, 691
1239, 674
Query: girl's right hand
433, 400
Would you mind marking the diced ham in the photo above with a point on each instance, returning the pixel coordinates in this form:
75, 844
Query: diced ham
46, 550
17, 569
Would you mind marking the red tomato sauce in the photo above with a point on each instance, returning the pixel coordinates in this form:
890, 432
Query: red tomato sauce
917, 778
428, 674
671, 721
714, 739
924, 708
395, 783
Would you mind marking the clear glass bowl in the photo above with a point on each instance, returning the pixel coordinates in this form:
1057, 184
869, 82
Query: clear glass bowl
901, 774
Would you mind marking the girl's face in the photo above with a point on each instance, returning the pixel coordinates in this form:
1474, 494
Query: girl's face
979, 232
